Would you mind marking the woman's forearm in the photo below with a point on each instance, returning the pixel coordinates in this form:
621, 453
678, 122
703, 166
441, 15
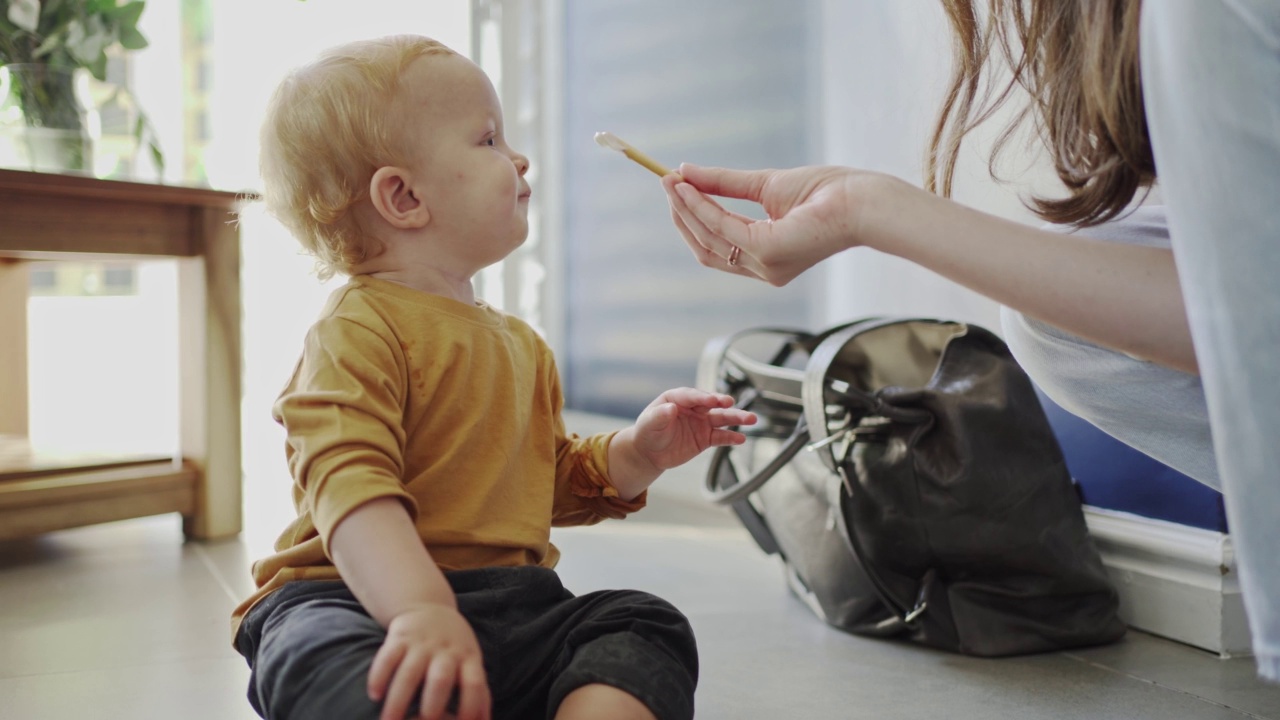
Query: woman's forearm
381, 558
1125, 297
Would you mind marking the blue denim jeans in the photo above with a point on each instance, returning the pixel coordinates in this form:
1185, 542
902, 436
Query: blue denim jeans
310, 645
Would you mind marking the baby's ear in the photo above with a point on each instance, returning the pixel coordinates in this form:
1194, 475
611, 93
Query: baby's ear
392, 195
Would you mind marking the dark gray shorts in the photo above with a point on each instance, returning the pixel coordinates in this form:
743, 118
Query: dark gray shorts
310, 645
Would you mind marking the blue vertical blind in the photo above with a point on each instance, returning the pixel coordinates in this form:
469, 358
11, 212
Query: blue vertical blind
723, 82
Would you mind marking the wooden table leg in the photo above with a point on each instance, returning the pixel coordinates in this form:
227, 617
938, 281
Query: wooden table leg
14, 288
209, 311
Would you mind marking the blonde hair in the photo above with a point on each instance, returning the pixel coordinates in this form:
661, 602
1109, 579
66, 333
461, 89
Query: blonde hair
1078, 60
328, 127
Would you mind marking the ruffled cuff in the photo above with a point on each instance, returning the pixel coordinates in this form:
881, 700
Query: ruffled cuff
588, 461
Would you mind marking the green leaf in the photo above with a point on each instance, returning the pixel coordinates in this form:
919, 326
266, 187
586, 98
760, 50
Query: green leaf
128, 15
131, 39
51, 43
99, 67
88, 42
143, 127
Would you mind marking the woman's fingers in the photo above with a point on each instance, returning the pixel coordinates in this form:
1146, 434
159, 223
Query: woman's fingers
714, 220
709, 248
700, 252
744, 184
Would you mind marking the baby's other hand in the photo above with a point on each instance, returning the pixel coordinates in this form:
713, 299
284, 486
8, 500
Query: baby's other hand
683, 422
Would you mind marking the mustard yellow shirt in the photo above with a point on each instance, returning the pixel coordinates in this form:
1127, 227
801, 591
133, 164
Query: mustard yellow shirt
455, 410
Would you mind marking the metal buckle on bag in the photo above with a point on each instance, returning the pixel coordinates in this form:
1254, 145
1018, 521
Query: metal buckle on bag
869, 427
921, 603
919, 609
835, 437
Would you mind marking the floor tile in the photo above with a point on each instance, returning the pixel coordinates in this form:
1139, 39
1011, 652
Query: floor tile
125, 620
127, 593
203, 689
1232, 682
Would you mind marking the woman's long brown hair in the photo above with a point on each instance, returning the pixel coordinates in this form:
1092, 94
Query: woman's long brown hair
1078, 60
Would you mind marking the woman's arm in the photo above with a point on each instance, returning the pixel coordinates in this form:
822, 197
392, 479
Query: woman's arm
1121, 296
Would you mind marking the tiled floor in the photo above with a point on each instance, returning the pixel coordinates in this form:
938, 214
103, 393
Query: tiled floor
126, 621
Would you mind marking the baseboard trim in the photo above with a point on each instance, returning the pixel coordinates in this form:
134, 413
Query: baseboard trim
1174, 580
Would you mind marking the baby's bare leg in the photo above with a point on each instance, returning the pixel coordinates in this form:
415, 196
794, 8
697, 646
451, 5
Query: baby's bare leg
602, 701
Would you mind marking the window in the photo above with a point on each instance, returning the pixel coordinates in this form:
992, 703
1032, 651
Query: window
724, 83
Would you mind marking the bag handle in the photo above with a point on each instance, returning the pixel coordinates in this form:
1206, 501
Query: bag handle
716, 351
722, 494
815, 391
722, 485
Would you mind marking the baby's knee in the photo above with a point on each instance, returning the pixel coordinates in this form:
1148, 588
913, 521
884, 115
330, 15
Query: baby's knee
638, 643
647, 616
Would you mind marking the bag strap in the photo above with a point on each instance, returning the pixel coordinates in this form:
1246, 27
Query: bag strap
723, 474
722, 485
816, 392
721, 494
716, 351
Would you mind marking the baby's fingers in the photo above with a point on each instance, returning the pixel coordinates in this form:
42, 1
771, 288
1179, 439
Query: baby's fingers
695, 399
407, 679
441, 677
474, 701
730, 417
383, 669
727, 437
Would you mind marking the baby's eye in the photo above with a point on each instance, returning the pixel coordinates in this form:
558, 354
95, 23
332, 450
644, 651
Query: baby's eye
489, 142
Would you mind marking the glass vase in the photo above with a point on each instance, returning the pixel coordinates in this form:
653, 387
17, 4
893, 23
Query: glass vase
44, 119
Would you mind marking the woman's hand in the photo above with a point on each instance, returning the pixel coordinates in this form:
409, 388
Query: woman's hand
814, 213
431, 647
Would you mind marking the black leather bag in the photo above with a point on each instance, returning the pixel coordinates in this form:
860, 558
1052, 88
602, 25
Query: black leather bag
906, 474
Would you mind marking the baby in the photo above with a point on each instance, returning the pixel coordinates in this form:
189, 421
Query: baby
425, 438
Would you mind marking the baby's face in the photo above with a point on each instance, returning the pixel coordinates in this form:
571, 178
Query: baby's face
471, 181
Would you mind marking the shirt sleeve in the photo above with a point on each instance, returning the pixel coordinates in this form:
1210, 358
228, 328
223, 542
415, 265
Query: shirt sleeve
584, 494
342, 416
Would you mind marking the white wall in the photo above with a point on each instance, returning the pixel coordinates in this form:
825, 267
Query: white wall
885, 68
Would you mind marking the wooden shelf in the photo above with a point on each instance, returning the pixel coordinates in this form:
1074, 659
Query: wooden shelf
56, 499
57, 217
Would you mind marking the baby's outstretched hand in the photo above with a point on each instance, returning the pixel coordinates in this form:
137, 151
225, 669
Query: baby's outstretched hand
683, 422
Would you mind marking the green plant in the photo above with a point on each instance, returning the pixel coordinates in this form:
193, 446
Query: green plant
65, 35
